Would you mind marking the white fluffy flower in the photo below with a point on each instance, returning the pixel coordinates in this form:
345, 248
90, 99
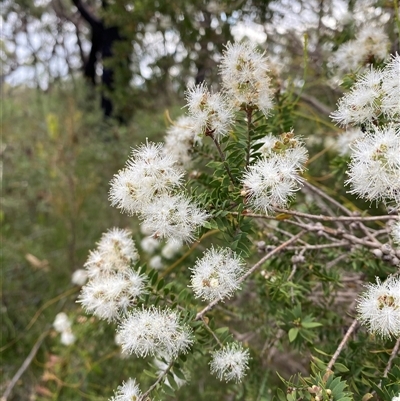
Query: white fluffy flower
374, 170
67, 337
156, 262
391, 89
396, 398
362, 104
375, 93
152, 331
286, 145
128, 391
149, 245
244, 72
115, 252
230, 363
272, 181
109, 296
216, 274
79, 277
173, 217
346, 139
61, 322
209, 111
371, 43
170, 249
148, 173
181, 137
379, 308
63, 325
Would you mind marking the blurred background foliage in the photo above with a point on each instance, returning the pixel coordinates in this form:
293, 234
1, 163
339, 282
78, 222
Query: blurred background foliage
59, 153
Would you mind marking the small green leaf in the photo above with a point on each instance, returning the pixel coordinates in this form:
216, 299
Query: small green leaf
151, 374
293, 333
341, 368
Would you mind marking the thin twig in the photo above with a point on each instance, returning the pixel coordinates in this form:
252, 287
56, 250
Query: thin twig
250, 271
327, 197
221, 153
249, 113
331, 218
342, 344
25, 365
212, 333
143, 397
393, 355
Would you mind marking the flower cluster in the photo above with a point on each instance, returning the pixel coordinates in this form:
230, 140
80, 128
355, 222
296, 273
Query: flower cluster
209, 112
181, 137
379, 308
371, 44
149, 173
346, 139
113, 286
63, 326
374, 169
115, 252
375, 94
230, 363
275, 177
374, 102
216, 274
128, 391
147, 187
245, 80
153, 331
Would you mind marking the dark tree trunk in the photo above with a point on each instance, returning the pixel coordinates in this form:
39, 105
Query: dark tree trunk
102, 38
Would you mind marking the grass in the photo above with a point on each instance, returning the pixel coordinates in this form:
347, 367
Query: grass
59, 156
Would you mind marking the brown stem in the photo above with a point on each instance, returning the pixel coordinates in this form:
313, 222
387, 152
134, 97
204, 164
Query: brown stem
249, 114
393, 355
210, 134
341, 345
24, 366
210, 331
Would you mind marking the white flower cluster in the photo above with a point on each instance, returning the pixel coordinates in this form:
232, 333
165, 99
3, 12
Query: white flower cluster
216, 274
346, 139
210, 112
113, 286
128, 391
396, 398
115, 252
153, 331
63, 326
375, 94
275, 177
148, 174
374, 101
79, 277
147, 187
245, 85
379, 308
181, 137
371, 44
230, 363
374, 169
245, 80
